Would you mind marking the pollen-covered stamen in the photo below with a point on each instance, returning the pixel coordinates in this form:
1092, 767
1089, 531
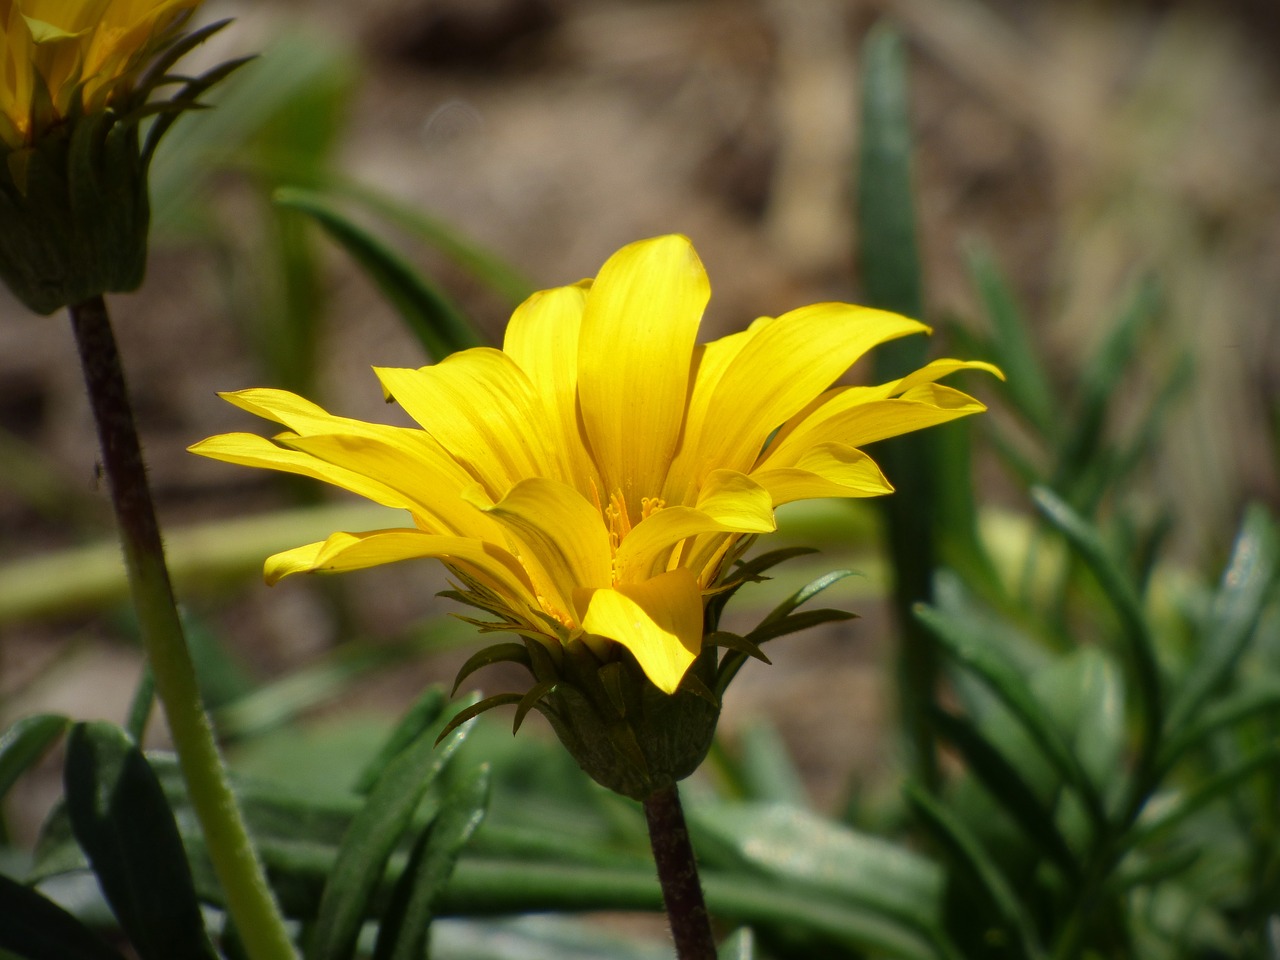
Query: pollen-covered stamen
617, 520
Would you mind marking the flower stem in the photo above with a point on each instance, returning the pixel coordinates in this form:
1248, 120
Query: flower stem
678, 875
239, 872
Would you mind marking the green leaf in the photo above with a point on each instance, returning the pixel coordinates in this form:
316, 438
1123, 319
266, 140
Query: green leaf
766, 769
966, 644
25, 742
888, 249
781, 621
1099, 383
802, 596
1084, 695
967, 853
372, 836
892, 278
804, 852
1209, 790
1261, 697
748, 571
1012, 348
1245, 587
36, 928
1139, 642
439, 326
123, 823
413, 725
1008, 788
479, 262
740, 945
402, 934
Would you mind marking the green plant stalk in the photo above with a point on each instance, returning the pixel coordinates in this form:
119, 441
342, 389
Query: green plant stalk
235, 862
678, 875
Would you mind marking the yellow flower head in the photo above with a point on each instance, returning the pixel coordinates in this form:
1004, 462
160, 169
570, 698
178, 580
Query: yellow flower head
63, 56
593, 478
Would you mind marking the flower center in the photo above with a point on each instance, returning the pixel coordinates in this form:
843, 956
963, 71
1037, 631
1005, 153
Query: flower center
618, 519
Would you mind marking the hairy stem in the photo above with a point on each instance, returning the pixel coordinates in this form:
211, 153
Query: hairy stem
248, 897
678, 875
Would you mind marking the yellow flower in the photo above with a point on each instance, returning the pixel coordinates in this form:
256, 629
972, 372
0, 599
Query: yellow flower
593, 478
65, 56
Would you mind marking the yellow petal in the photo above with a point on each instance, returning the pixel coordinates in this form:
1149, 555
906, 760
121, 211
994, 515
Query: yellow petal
298, 414
737, 501
783, 367
846, 421
710, 361
659, 621
732, 503
827, 470
489, 564
250, 450
558, 537
638, 333
424, 474
542, 338
481, 407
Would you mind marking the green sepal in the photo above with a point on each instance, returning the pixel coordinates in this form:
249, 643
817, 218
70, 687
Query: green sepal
469, 713
510, 652
738, 643
628, 735
530, 700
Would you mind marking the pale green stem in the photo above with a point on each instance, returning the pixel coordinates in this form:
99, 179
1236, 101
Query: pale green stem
248, 898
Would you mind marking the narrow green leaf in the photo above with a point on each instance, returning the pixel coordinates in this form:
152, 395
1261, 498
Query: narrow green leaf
25, 742
123, 823
966, 646
373, 834
805, 852
888, 250
732, 641
749, 571
403, 932
1246, 585
781, 621
1261, 697
438, 324
479, 262
1009, 789
1099, 382
797, 622
413, 725
1012, 348
36, 928
966, 852
889, 258
767, 772
803, 595
1208, 791
1139, 642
